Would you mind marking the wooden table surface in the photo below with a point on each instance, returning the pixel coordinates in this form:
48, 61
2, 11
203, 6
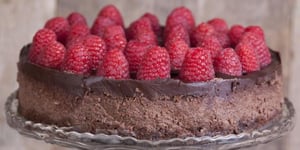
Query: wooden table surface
20, 19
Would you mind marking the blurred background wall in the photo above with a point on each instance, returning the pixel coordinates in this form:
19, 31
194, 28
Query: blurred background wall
20, 19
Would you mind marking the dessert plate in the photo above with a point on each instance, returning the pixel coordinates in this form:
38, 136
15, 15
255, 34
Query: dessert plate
64, 136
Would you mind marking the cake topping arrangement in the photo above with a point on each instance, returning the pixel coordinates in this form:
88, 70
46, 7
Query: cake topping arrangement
146, 50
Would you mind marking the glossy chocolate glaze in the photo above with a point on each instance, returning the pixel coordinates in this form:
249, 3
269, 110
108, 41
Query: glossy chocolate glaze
78, 85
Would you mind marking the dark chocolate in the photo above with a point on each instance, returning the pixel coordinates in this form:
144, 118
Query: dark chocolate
222, 85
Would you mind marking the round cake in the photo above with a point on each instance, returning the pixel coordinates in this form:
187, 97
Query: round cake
151, 95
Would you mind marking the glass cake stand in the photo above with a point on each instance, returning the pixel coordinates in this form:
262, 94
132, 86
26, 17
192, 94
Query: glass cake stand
64, 136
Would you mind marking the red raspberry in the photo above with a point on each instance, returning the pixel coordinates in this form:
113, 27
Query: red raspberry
77, 31
248, 57
260, 46
77, 60
183, 16
256, 30
154, 23
114, 65
155, 64
235, 33
96, 48
76, 18
212, 44
200, 32
40, 40
53, 55
197, 66
228, 62
100, 24
114, 37
177, 32
142, 31
177, 49
60, 26
113, 13
219, 24
224, 39
134, 53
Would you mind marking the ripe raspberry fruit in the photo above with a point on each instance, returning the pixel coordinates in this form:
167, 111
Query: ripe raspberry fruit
197, 66
224, 39
110, 11
53, 55
114, 37
228, 62
142, 31
219, 24
77, 60
134, 53
212, 44
177, 32
60, 26
248, 57
183, 16
200, 32
260, 46
76, 18
256, 30
78, 31
100, 24
40, 40
96, 48
154, 23
155, 64
114, 65
235, 33
177, 49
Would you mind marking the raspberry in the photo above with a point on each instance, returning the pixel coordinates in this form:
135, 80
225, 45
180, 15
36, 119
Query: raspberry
155, 64
77, 31
53, 55
248, 57
96, 48
100, 24
262, 51
224, 39
40, 40
183, 16
60, 26
228, 62
141, 30
77, 60
114, 37
219, 24
134, 53
200, 32
114, 65
76, 18
212, 44
256, 30
177, 50
177, 32
235, 33
197, 66
154, 23
110, 11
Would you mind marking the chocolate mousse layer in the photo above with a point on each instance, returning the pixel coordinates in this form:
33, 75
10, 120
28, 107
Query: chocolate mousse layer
154, 110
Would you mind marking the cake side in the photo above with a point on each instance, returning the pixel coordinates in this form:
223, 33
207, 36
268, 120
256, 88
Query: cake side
219, 106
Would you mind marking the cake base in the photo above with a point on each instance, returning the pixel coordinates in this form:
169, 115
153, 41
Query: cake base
66, 136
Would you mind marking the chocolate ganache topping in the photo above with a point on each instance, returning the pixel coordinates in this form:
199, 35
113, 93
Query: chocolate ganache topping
79, 85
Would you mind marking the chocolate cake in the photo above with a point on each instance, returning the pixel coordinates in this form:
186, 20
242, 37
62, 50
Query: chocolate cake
160, 108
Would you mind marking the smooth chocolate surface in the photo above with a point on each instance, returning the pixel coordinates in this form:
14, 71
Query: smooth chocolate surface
222, 85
